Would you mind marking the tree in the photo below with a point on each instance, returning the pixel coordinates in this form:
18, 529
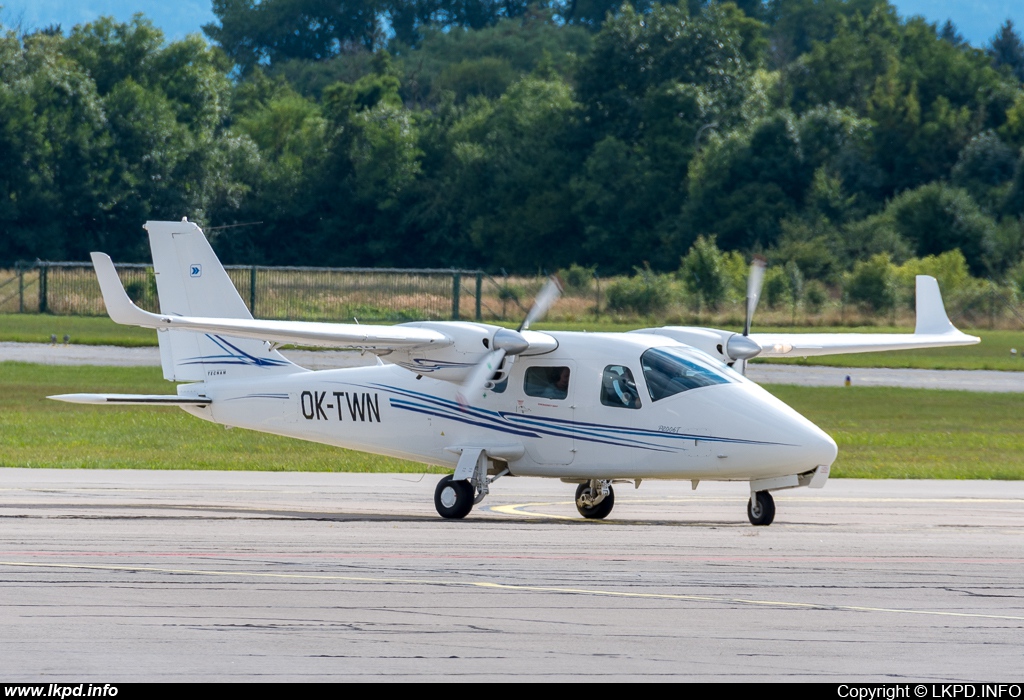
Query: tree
873, 283
984, 166
627, 192
703, 273
949, 268
951, 35
777, 286
635, 53
926, 96
937, 218
512, 181
1007, 50
269, 31
486, 61
742, 186
798, 24
844, 70
1013, 204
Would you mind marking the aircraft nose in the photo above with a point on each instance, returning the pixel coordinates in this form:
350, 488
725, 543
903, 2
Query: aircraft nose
797, 443
818, 446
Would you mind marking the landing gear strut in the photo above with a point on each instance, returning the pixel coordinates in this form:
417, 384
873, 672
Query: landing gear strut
761, 508
595, 499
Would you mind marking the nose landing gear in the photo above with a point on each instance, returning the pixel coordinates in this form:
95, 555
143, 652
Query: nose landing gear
595, 499
761, 508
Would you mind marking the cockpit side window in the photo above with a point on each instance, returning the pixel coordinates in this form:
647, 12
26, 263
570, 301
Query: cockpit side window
670, 371
618, 389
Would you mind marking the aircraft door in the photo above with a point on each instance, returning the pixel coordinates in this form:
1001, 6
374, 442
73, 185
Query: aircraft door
610, 409
545, 404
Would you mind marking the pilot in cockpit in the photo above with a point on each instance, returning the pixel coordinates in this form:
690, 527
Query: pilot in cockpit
618, 388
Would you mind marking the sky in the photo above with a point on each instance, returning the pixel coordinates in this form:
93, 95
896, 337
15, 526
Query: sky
977, 20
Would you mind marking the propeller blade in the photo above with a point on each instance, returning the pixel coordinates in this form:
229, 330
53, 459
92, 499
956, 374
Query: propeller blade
482, 373
546, 298
754, 284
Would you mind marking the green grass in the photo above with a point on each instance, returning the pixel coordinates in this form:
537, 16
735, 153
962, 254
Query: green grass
83, 330
916, 433
37, 432
881, 432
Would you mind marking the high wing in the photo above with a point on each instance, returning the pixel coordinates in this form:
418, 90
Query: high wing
333, 335
933, 329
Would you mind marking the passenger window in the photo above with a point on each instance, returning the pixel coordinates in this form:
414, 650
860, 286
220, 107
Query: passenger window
547, 382
618, 388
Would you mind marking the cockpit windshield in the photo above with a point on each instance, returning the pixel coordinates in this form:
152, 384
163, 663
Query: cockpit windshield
670, 371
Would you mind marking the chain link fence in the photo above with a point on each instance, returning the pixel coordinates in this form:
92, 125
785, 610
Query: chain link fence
301, 293
396, 295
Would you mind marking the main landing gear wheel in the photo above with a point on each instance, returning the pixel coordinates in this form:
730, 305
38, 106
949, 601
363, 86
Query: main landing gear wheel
598, 511
761, 508
453, 499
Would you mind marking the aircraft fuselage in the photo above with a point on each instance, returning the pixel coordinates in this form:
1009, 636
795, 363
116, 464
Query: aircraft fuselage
731, 430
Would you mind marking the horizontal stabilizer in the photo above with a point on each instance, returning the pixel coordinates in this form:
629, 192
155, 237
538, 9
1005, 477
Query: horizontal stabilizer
331, 335
133, 399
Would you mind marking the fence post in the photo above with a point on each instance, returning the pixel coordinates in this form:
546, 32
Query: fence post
252, 291
479, 292
456, 292
42, 287
21, 288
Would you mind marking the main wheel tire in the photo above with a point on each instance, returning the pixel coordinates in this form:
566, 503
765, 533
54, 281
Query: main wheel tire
761, 511
453, 499
601, 510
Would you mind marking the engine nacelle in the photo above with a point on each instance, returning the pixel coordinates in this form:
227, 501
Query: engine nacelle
471, 343
723, 345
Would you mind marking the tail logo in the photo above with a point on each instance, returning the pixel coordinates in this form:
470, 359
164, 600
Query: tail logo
195, 270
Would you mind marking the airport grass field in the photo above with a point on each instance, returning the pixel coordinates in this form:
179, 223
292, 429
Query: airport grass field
881, 432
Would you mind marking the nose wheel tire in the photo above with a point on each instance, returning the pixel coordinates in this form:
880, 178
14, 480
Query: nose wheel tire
453, 499
598, 511
761, 508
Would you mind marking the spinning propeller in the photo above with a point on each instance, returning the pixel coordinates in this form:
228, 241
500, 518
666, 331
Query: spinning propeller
745, 349
507, 342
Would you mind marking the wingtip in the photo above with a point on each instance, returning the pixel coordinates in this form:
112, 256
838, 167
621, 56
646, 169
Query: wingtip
119, 307
930, 311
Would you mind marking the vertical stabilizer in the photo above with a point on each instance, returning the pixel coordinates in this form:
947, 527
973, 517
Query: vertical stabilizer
191, 281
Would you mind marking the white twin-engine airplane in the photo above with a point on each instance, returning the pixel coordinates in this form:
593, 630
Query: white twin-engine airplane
591, 409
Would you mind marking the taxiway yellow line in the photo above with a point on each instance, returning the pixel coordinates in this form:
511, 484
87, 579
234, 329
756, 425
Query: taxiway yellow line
517, 587
517, 508
514, 509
